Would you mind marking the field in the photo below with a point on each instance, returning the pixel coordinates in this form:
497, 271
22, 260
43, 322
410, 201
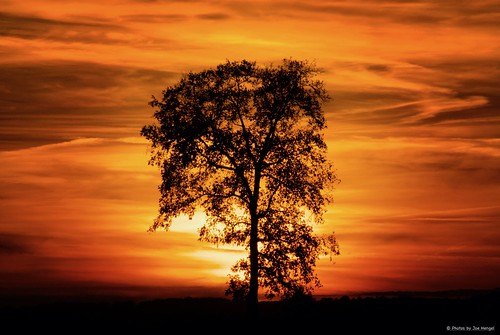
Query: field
396, 313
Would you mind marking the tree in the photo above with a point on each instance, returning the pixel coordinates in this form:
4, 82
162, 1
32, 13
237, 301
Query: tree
244, 143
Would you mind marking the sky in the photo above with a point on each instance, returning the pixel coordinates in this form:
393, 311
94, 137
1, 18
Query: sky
413, 132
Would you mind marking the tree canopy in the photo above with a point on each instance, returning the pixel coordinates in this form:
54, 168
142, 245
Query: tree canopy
245, 143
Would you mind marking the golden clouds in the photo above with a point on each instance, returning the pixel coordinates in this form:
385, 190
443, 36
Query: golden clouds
411, 209
76, 213
51, 101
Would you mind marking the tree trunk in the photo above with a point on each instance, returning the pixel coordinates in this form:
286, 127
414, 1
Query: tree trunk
253, 294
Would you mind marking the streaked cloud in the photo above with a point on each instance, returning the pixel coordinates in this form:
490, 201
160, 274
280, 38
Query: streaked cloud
14, 244
51, 101
33, 27
77, 212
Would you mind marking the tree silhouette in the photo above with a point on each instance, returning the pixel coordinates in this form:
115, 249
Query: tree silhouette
244, 143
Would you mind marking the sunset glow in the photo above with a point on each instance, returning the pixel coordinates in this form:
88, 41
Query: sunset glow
413, 131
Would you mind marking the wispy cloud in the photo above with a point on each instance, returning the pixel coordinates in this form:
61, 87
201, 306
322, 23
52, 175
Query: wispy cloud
34, 27
50, 101
480, 13
14, 244
154, 18
420, 94
79, 236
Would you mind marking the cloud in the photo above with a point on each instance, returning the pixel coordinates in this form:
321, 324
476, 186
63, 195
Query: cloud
473, 96
478, 108
14, 244
424, 249
154, 18
411, 13
78, 212
417, 93
51, 101
88, 30
33, 27
85, 168
387, 115
378, 67
174, 18
385, 12
214, 16
406, 12
390, 179
174, 1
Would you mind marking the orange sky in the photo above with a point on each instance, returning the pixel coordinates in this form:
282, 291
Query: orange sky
414, 132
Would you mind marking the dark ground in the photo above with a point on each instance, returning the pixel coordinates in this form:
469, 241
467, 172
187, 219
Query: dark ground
389, 314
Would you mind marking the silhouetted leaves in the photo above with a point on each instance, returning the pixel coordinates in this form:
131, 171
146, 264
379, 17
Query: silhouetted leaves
244, 143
